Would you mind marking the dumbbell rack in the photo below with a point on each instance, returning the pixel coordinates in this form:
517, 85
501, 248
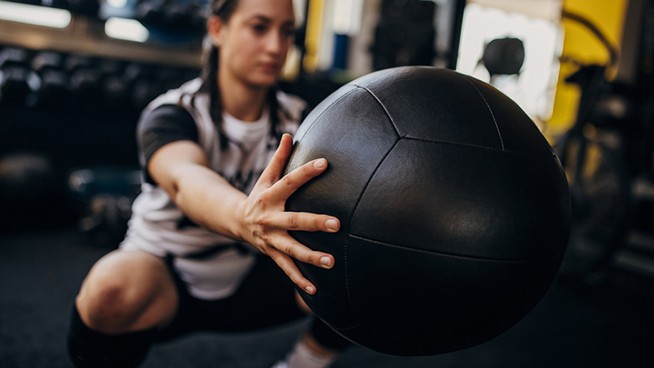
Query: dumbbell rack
72, 137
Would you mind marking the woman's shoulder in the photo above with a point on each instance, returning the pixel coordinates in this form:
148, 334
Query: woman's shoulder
292, 105
178, 94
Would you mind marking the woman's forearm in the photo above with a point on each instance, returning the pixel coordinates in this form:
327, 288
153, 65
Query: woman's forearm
209, 200
259, 218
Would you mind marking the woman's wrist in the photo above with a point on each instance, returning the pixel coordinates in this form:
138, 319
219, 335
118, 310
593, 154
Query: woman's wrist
238, 227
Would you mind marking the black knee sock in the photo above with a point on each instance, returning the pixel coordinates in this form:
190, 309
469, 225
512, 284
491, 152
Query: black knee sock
327, 337
89, 348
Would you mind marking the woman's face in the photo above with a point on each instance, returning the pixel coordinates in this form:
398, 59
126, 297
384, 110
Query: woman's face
254, 41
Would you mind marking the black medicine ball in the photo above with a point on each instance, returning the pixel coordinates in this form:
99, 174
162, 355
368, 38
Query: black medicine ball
455, 211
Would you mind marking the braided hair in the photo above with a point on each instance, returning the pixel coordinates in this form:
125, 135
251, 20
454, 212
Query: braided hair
224, 10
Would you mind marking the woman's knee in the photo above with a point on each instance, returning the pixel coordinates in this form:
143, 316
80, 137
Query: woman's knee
127, 291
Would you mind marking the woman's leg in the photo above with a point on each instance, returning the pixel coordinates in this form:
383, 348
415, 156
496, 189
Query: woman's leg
319, 346
125, 299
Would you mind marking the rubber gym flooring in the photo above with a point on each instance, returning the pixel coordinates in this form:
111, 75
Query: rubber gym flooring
606, 326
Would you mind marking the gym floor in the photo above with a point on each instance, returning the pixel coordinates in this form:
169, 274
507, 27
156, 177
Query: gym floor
611, 325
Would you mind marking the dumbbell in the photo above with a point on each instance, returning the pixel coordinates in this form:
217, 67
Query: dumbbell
145, 90
14, 73
150, 11
47, 60
116, 91
85, 7
110, 67
52, 91
195, 13
77, 61
32, 190
114, 85
84, 85
26, 176
177, 15
84, 82
137, 70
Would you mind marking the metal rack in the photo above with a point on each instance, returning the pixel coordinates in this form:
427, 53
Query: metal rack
85, 35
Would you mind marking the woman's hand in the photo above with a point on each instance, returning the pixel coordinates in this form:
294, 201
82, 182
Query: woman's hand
266, 222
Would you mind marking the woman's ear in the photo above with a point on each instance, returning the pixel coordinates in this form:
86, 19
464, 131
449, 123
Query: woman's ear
214, 27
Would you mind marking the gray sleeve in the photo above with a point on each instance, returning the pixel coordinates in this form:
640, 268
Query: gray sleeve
163, 125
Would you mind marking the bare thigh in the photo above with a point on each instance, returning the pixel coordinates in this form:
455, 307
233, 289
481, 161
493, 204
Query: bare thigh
127, 291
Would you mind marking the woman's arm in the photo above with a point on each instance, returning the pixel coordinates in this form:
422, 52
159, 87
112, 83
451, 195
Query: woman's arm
260, 219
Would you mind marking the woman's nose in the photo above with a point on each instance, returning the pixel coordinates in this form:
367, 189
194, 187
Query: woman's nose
275, 42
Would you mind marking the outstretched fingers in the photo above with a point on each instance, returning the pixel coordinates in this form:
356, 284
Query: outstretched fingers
291, 182
274, 170
290, 269
294, 250
304, 221
302, 253
281, 241
267, 223
280, 188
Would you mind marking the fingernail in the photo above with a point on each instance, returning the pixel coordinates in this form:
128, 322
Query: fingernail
320, 163
310, 290
326, 262
332, 225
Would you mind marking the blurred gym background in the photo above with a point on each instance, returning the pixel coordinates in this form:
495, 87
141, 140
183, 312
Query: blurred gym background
75, 74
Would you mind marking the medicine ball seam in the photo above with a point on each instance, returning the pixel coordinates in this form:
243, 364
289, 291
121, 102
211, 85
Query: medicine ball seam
350, 327
457, 256
497, 128
317, 118
349, 225
383, 158
365, 187
506, 151
367, 183
347, 282
388, 114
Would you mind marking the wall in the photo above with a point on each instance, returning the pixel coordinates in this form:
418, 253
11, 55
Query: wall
608, 16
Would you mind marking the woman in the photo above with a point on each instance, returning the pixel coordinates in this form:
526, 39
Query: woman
208, 234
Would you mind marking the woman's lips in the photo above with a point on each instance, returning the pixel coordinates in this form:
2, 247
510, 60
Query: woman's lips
270, 67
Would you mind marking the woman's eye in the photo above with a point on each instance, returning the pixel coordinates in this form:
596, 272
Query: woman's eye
259, 28
288, 32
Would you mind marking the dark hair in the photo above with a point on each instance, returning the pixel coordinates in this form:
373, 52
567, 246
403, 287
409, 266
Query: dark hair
224, 10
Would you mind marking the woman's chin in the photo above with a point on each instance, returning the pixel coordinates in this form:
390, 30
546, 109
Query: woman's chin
264, 80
